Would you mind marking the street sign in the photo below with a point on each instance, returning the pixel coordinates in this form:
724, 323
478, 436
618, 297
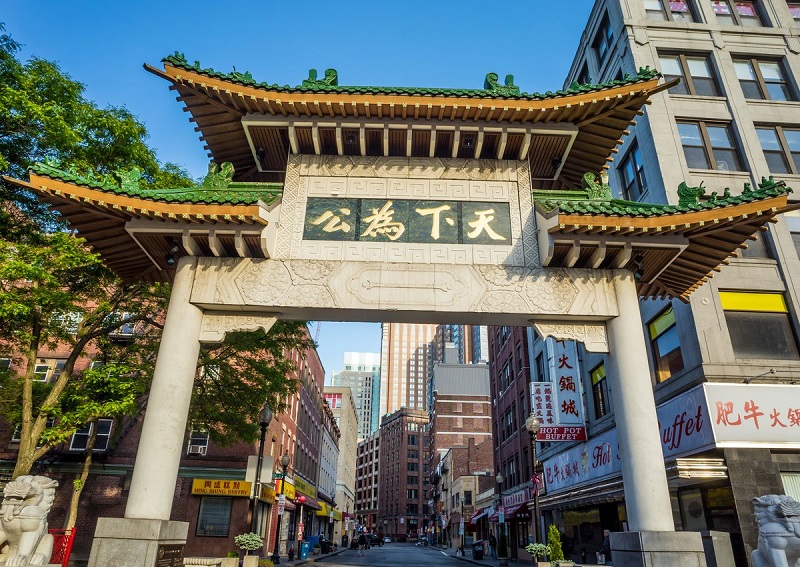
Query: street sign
281, 504
300, 527
501, 514
461, 527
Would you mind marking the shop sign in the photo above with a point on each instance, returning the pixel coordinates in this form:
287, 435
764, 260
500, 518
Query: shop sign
286, 489
210, 487
557, 403
304, 487
267, 494
685, 428
750, 415
517, 498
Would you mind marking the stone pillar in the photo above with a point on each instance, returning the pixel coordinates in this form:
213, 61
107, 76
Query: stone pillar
146, 535
643, 475
161, 445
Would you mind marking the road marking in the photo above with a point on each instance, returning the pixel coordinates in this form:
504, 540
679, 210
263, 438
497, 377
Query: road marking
444, 553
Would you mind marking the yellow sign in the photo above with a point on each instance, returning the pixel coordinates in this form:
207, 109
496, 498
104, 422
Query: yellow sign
221, 487
305, 488
267, 494
288, 489
324, 509
337, 515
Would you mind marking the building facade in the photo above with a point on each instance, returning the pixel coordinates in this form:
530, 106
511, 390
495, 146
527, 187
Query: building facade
367, 482
340, 400
362, 375
724, 363
405, 353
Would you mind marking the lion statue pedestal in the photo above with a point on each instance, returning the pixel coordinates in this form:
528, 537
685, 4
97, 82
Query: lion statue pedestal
778, 518
23, 521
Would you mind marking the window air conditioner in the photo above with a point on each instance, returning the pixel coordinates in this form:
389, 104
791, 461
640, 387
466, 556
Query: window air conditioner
197, 450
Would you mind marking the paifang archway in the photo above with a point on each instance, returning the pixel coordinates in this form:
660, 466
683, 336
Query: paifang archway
408, 205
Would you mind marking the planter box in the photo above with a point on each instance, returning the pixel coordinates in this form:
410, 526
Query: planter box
230, 562
250, 561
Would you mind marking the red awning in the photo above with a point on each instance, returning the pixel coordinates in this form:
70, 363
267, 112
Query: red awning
518, 512
478, 515
310, 503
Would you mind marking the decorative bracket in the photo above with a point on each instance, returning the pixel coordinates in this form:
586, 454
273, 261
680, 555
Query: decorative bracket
216, 325
592, 335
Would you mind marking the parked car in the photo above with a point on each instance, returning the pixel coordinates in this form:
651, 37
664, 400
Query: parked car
375, 539
387, 539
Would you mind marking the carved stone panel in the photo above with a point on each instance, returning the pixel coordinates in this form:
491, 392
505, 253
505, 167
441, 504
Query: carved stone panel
215, 325
369, 290
592, 335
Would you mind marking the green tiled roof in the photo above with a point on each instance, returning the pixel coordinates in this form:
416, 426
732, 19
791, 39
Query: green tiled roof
217, 187
596, 200
329, 84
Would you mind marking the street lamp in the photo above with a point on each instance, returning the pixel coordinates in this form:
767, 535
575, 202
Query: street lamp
532, 424
264, 417
284, 465
300, 525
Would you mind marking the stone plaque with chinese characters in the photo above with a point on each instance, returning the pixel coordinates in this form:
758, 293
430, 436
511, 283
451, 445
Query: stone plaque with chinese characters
405, 220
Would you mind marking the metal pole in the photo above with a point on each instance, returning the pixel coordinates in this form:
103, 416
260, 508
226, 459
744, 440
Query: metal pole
275, 557
537, 519
257, 488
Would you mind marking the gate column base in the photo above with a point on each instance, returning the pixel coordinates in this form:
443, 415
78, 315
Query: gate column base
128, 542
658, 549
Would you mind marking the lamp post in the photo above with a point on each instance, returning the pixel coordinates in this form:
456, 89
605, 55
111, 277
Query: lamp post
501, 523
300, 525
264, 417
284, 465
532, 424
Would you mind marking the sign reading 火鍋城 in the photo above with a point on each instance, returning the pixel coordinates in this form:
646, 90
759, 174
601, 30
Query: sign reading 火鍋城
685, 429
747, 415
406, 220
557, 404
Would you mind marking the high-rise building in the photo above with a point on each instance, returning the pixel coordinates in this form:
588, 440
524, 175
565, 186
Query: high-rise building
724, 363
367, 471
405, 352
362, 375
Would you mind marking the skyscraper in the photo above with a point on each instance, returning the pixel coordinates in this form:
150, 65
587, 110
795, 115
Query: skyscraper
405, 352
362, 375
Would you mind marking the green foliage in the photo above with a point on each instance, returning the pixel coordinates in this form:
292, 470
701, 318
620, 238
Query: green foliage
232, 554
249, 541
239, 374
537, 549
502, 548
265, 562
554, 542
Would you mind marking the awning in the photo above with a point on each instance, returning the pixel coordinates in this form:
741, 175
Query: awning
478, 515
310, 503
518, 512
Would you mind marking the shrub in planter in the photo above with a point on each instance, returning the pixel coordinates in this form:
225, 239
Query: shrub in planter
538, 549
232, 554
249, 542
554, 543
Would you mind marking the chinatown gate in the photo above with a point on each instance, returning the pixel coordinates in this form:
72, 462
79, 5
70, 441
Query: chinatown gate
404, 205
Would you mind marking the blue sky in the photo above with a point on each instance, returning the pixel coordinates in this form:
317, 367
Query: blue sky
413, 43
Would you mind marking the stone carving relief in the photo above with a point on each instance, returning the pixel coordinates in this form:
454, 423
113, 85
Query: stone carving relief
23, 521
291, 204
592, 335
778, 519
475, 292
214, 326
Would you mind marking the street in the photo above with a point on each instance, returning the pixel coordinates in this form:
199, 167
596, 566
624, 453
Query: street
395, 554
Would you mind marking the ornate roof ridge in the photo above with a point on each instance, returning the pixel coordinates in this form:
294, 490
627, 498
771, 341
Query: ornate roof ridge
596, 199
216, 188
330, 84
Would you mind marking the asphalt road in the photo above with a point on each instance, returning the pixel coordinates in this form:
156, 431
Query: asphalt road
391, 554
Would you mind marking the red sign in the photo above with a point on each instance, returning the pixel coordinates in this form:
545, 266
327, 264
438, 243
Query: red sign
300, 527
561, 433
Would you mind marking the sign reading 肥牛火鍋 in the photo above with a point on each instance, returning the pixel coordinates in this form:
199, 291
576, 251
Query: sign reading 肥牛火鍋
410, 221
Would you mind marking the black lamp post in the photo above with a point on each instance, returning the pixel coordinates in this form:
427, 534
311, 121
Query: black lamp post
264, 417
284, 465
532, 424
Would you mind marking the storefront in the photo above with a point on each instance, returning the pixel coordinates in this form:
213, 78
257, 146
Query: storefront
514, 519
713, 436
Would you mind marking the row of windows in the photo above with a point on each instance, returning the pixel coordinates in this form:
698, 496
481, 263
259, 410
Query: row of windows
727, 12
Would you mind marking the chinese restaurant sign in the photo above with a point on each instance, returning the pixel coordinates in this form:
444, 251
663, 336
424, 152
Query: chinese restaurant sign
221, 487
557, 404
685, 428
409, 221
746, 415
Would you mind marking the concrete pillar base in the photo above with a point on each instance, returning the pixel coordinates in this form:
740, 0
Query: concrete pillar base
658, 549
126, 542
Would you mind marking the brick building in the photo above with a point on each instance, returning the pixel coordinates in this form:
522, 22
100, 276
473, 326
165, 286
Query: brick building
367, 467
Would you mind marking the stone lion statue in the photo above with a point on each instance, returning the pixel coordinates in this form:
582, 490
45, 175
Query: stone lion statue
23, 521
778, 518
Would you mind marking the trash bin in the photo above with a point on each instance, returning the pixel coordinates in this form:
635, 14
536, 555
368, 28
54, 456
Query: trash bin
477, 550
325, 544
305, 548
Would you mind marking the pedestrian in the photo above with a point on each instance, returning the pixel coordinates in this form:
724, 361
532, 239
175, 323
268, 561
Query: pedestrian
604, 555
362, 543
492, 546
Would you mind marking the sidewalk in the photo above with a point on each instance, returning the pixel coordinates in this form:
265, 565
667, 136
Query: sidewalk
487, 562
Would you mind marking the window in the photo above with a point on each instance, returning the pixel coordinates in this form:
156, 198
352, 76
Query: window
781, 148
48, 370
634, 182
695, 72
541, 374
5, 364
583, 76
412, 480
603, 39
677, 11
736, 13
198, 442
709, 146
600, 392
759, 326
794, 10
80, 439
467, 498
412, 467
214, 518
665, 345
762, 80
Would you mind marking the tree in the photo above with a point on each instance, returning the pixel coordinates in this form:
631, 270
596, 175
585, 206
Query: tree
554, 543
